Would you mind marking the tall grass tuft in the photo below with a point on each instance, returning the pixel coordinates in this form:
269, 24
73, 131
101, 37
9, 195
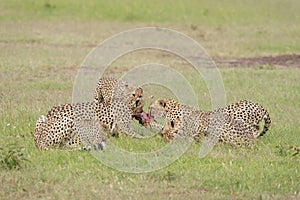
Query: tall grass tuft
12, 157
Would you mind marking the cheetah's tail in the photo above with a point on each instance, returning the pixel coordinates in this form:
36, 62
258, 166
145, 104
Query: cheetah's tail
267, 124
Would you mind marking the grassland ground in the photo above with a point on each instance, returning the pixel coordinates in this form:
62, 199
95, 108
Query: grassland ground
39, 61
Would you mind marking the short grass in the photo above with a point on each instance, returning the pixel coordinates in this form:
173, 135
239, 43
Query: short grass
192, 11
42, 48
227, 28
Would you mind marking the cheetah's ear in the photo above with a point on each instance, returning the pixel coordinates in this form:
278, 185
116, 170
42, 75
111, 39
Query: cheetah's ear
138, 92
162, 102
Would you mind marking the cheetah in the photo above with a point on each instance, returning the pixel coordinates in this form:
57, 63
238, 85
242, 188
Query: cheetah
109, 90
69, 133
86, 124
236, 124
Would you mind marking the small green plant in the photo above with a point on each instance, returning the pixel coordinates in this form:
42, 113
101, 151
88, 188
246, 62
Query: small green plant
285, 150
168, 177
12, 157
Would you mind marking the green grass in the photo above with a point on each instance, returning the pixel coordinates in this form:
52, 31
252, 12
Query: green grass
191, 11
235, 28
270, 172
42, 49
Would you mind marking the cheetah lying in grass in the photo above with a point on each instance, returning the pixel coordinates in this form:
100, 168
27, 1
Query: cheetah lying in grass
236, 124
84, 125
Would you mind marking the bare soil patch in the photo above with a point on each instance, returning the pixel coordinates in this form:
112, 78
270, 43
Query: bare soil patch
286, 60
